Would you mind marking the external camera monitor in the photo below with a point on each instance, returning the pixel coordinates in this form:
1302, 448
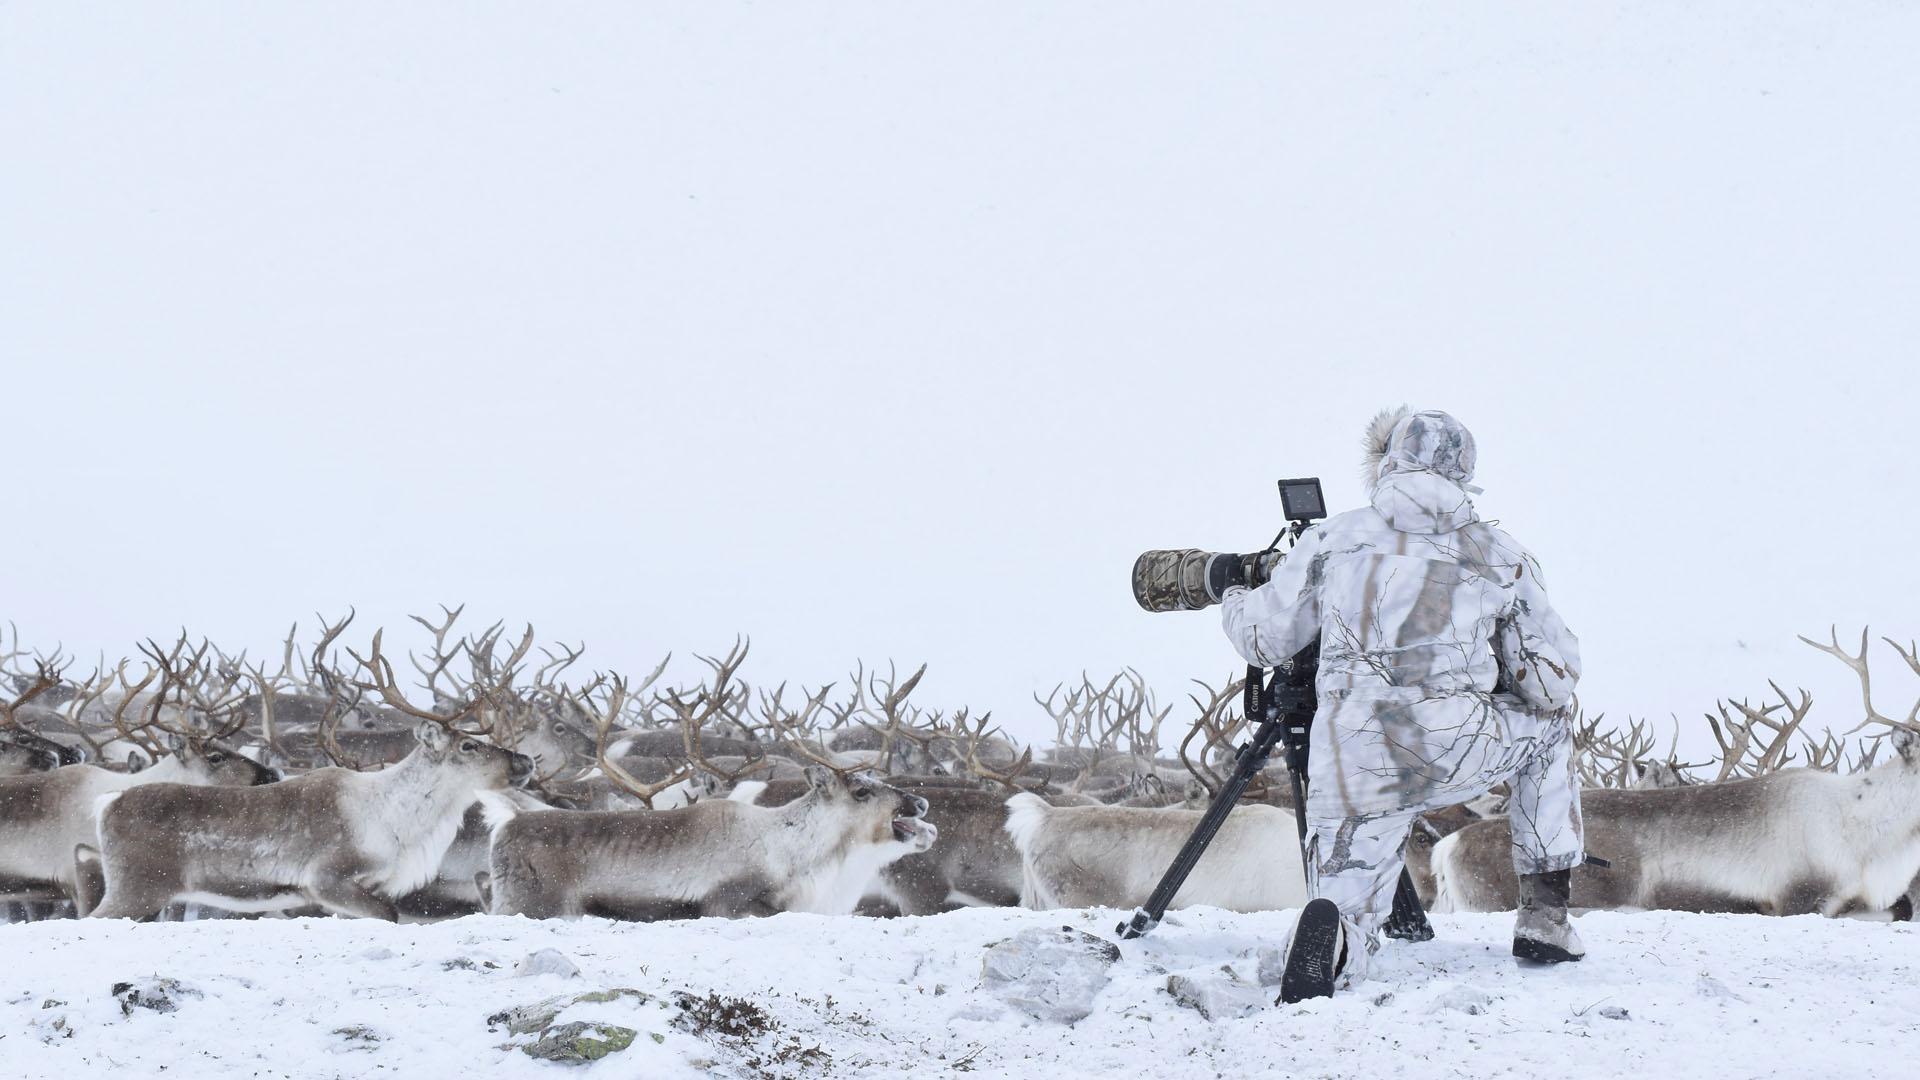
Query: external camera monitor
1301, 499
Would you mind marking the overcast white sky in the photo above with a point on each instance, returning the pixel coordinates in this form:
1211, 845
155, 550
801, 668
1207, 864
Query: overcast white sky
885, 331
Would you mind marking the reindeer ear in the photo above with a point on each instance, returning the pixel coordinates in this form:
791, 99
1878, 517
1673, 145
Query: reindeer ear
819, 777
433, 736
1906, 743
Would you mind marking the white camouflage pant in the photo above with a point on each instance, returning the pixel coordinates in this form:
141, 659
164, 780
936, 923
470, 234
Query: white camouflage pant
1356, 861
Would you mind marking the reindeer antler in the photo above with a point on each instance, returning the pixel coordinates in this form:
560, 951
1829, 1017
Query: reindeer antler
46, 677
971, 735
1858, 664
380, 669
603, 718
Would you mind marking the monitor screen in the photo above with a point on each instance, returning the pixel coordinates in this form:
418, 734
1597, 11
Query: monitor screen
1301, 499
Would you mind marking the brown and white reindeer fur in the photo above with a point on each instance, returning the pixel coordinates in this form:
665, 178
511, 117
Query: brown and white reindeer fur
973, 864
1113, 856
349, 842
817, 853
1792, 842
461, 884
46, 817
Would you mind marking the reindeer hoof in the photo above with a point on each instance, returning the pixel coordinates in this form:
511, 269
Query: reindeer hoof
1542, 952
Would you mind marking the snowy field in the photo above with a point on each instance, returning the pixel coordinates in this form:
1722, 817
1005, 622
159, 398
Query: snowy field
1660, 995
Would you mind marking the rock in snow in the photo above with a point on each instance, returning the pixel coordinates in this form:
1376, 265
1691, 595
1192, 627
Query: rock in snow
1049, 974
547, 962
1219, 997
1464, 999
153, 992
580, 1042
1272, 960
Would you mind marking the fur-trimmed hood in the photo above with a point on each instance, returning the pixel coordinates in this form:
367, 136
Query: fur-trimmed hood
1419, 470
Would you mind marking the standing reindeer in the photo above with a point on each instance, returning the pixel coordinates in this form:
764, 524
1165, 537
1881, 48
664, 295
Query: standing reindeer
720, 857
46, 819
1113, 856
1761, 839
346, 841
349, 842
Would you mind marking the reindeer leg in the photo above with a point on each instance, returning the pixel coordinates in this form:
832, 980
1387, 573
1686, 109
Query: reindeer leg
740, 898
126, 899
89, 880
342, 894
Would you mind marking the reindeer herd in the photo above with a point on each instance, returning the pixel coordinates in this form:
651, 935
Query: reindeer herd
498, 779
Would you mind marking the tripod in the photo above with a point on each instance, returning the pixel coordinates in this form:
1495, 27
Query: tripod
1284, 706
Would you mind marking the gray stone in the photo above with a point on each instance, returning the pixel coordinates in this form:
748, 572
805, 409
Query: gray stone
580, 1043
547, 962
1462, 999
527, 1019
154, 993
1218, 997
1615, 1012
1272, 964
1051, 974
359, 1037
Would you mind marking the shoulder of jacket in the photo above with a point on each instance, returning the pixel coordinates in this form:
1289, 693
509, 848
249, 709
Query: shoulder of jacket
1359, 518
1504, 550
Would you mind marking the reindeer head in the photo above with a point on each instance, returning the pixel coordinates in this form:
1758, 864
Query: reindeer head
488, 767
218, 764
1906, 746
546, 733
18, 758
894, 815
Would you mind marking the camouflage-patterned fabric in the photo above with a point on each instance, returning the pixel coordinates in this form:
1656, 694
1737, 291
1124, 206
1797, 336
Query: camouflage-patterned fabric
1355, 861
1410, 597
1418, 605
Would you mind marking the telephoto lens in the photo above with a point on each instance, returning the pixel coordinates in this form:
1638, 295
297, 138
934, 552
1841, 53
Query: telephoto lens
1172, 580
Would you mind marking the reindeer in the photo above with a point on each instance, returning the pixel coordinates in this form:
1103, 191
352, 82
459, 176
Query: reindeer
19, 757
47, 819
1761, 839
722, 857
345, 841
23, 751
1113, 856
460, 882
348, 842
973, 862
68, 741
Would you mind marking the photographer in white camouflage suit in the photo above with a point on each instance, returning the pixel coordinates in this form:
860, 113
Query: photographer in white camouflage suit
1419, 606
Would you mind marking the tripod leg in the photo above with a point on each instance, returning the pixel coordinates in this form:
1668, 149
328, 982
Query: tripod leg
1408, 921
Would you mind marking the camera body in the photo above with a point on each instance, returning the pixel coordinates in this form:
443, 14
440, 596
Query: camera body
1190, 579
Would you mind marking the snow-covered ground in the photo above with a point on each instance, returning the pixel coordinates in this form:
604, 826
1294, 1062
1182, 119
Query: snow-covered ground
1661, 994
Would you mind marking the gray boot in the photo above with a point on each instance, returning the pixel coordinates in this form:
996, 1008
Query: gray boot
1542, 932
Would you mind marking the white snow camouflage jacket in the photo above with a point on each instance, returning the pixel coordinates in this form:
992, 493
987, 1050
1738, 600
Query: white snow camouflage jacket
1411, 598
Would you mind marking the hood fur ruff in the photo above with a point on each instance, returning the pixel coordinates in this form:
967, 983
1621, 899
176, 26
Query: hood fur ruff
1378, 438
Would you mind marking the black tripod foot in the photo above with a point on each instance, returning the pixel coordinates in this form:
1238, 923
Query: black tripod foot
1408, 920
1417, 929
